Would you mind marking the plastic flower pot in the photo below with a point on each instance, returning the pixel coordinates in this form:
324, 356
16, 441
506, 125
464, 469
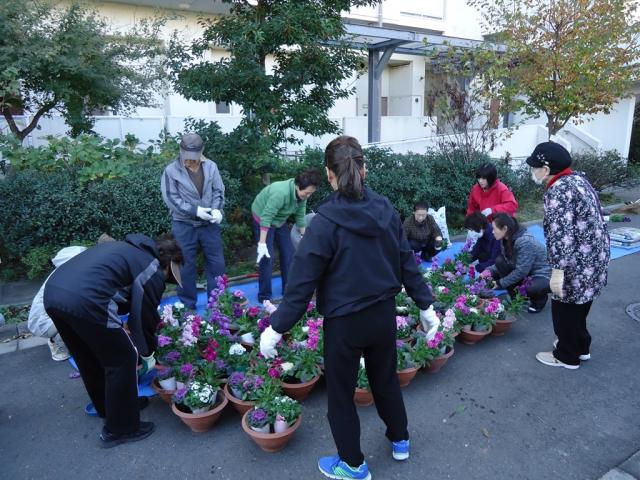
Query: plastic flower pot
241, 406
501, 327
270, 442
362, 397
300, 391
163, 393
470, 337
434, 365
405, 376
202, 422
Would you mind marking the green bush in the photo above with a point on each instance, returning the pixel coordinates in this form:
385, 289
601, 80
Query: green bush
603, 169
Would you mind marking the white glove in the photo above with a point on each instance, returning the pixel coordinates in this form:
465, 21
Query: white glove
204, 214
430, 322
486, 212
268, 341
216, 216
557, 281
147, 364
263, 251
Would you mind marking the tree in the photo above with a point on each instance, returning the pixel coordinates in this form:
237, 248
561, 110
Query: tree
69, 60
568, 58
311, 65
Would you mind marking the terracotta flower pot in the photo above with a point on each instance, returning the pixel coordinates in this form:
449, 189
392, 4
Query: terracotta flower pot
362, 397
501, 327
202, 422
162, 393
299, 391
241, 406
270, 442
437, 363
405, 376
471, 337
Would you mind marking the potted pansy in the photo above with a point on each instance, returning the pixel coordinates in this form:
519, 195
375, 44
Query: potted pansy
243, 389
476, 324
406, 367
165, 382
247, 322
404, 327
258, 420
433, 353
284, 416
198, 405
362, 396
238, 358
300, 369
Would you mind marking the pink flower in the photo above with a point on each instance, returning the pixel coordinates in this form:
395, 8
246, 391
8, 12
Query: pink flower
401, 322
253, 312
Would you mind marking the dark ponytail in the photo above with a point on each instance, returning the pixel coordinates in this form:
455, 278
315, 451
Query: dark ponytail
343, 156
504, 220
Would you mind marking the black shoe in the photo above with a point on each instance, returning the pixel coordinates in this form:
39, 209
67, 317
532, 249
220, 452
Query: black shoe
109, 440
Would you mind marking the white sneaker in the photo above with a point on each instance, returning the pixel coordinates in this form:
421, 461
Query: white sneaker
582, 357
548, 359
59, 350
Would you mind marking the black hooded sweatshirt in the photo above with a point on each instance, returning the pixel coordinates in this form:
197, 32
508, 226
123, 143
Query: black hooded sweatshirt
356, 254
112, 279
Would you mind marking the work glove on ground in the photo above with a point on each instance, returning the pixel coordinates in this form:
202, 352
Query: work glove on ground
217, 216
556, 283
204, 214
268, 341
263, 251
430, 322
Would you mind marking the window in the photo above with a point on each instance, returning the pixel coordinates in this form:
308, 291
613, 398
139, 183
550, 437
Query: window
223, 108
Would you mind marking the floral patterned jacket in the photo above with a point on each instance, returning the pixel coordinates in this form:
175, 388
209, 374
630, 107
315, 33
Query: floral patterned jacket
577, 237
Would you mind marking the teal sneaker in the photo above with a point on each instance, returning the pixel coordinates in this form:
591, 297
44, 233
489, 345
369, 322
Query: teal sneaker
333, 467
400, 449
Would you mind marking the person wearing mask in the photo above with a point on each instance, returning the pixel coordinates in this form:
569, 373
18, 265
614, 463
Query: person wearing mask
193, 191
423, 233
489, 195
357, 256
85, 297
270, 210
578, 248
485, 247
521, 257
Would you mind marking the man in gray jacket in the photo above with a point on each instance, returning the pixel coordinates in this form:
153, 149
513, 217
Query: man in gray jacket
193, 190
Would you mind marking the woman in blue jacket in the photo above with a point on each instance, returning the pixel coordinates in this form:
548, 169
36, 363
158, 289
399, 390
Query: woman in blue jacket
356, 255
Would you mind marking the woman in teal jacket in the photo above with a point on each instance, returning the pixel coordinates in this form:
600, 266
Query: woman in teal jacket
270, 210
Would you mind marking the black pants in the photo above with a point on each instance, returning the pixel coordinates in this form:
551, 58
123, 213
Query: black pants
427, 248
570, 326
107, 360
537, 291
370, 333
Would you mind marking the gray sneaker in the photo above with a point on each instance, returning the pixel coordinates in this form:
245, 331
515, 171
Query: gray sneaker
583, 358
59, 351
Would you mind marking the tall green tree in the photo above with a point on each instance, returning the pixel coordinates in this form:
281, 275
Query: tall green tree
308, 75
68, 59
568, 58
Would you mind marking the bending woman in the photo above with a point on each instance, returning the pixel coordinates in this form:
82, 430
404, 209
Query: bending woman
356, 253
521, 256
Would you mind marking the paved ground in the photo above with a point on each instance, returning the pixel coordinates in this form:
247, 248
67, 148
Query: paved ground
493, 412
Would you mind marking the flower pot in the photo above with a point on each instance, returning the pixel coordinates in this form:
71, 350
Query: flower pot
437, 363
163, 393
501, 327
299, 391
202, 422
280, 426
265, 429
241, 406
270, 442
405, 376
168, 383
362, 397
470, 337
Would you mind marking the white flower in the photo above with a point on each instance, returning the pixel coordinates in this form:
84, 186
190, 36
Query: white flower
402, 309
178, 305
305, 329
441, 289
236, 349
426, 274
286, 366
473, 298
473, 310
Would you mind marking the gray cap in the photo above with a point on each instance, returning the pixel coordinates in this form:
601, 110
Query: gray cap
191, 146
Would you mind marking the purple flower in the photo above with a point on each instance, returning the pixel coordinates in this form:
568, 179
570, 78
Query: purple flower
236, 378
180, 394
258, 415
163, 340
237, 310
186, 369
220, 364
173, 356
